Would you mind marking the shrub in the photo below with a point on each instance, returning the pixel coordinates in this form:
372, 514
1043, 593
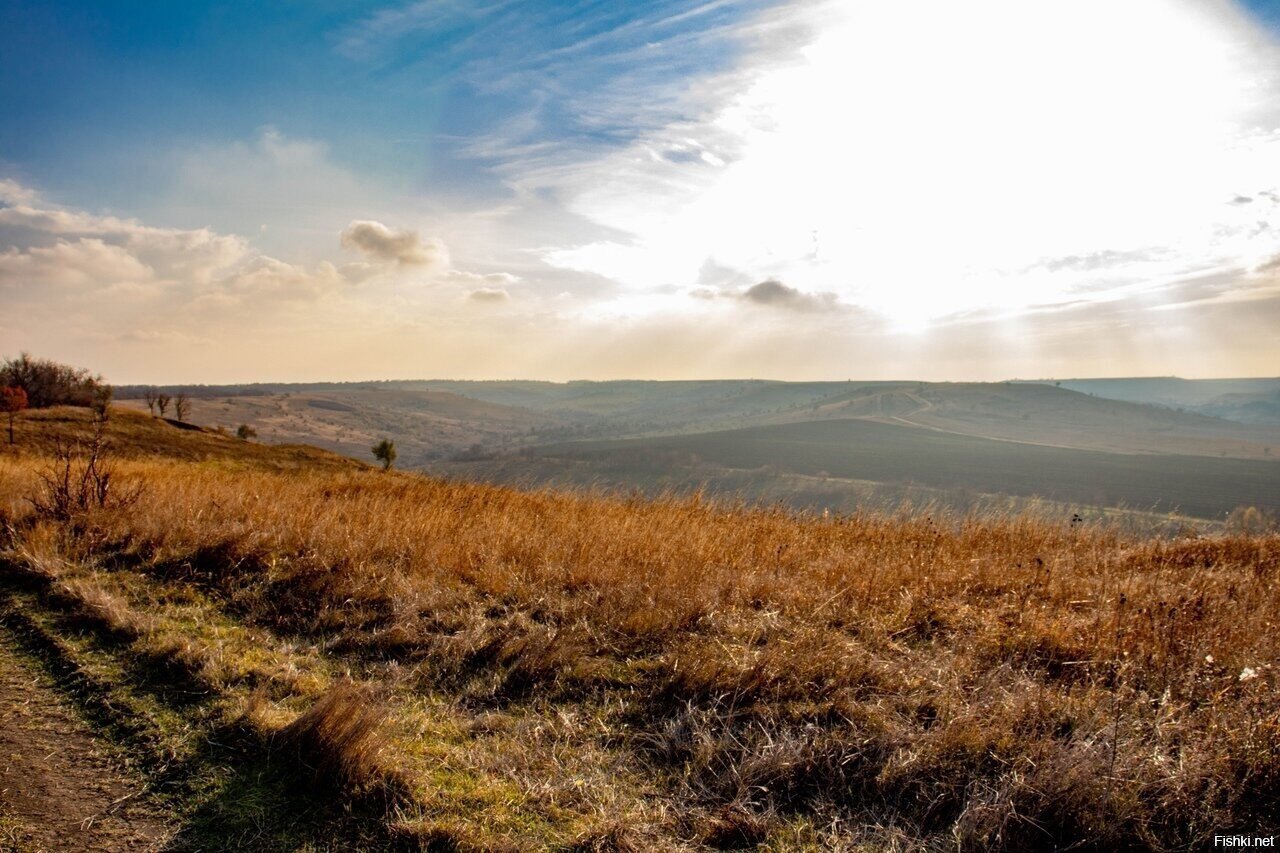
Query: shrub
1251, 520
79, 479
385, 452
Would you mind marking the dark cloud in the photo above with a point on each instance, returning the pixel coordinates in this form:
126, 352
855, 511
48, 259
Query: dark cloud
386, 244
774, 293
681, 155
489, 294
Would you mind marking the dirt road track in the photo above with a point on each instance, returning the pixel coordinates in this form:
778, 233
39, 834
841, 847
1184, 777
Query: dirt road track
61, 787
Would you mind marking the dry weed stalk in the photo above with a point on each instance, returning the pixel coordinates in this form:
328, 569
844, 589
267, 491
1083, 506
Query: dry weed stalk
81, 478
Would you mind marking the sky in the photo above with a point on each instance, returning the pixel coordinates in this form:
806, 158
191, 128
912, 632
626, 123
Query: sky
673, 189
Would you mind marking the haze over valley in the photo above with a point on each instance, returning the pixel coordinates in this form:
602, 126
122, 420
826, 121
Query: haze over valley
817, 445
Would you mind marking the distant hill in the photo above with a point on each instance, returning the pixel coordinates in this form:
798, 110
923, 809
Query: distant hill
1249, 401
1023, 439
433, 420
862, 450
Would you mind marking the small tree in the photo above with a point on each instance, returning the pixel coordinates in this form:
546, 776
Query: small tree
385, 452
181, 407
149, 396
245, 432
162, 403
12, 401
101, 402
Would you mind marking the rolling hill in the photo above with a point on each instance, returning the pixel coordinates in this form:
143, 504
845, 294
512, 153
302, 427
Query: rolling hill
1250, 401
963, 445
868, 450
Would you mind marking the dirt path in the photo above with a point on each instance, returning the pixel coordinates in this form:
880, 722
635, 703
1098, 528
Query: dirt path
60, 787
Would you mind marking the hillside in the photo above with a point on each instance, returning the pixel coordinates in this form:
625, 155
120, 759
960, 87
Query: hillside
133, 435
426, 425
888, 452
435, 420
300, 653
1249, 401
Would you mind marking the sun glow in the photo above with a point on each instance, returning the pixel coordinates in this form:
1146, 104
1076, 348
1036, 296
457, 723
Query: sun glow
930, 160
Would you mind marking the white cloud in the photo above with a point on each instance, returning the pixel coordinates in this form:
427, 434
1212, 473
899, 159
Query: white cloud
195, 254
86, 262
269, 278
12, 192
85, 254
493, 279
489, 294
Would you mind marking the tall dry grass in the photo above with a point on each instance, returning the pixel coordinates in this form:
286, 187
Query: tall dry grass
970, 682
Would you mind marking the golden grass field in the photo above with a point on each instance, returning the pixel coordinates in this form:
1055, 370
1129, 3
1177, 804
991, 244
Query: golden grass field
536, 670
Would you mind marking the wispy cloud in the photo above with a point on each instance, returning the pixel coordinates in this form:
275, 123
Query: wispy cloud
570, 81
489, 294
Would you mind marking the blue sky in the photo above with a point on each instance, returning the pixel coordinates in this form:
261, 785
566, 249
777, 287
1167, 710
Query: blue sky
96, 94
810, 189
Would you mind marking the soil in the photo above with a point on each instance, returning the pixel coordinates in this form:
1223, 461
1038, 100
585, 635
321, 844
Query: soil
63, 788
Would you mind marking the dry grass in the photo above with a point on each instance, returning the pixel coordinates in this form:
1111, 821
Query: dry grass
974, 683
337, 739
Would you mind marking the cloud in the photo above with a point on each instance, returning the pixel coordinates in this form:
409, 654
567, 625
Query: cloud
774, 293
403, 247
87, 262
493, 279
12, 192
489, 294
270, 278
1270, 264
1101, 260
171, 253
59, 250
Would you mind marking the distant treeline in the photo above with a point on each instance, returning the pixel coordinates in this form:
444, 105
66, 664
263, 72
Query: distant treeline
254, 389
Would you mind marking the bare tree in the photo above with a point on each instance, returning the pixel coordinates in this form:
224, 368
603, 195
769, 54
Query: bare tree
149, 396
181, 407
162, 403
